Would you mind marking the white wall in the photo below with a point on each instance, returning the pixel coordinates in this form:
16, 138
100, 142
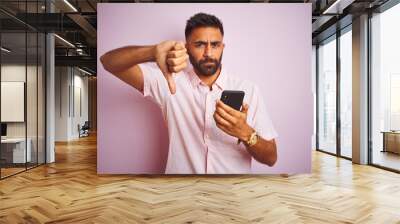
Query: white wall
80, 110
62, 80
70, 84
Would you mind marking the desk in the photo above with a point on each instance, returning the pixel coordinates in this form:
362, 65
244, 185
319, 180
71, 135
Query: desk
13, 150
391, 141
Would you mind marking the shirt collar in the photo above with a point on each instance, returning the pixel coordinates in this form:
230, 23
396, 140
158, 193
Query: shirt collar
220, 82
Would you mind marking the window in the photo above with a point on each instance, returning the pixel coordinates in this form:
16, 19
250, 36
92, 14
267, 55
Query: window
327, 96
385, 88
346, 93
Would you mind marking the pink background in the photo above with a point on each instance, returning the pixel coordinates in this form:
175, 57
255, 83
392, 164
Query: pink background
269, 44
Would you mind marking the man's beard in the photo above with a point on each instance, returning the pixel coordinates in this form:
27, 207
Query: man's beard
203, 68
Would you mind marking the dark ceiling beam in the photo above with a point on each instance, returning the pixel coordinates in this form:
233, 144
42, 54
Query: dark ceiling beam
91, 5
81, 61
58, 22
49, 22
332, 28
15, 18
86, 26
64, 51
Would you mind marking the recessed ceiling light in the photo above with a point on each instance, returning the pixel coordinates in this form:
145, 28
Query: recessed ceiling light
84, 71
337, 7
64, 40
70, 5
5, 50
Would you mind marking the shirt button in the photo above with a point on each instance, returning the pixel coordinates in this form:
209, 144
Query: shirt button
206, 136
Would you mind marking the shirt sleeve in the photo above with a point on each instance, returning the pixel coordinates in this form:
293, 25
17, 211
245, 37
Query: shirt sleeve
155, 86
261, 119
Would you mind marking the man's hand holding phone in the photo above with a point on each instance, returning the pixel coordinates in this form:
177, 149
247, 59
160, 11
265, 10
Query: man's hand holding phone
171, 57
233, 122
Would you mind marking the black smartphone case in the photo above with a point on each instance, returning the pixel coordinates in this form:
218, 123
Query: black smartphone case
233, 98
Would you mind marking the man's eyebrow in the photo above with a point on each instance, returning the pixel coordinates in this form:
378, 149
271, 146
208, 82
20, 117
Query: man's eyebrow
200, 42
205, 42
216, 42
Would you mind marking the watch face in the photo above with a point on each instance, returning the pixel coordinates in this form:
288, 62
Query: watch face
253, 139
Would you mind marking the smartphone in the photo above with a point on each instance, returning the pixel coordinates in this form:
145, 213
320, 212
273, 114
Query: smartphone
233, 98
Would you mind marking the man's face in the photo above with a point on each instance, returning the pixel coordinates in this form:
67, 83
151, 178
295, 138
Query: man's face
205, 48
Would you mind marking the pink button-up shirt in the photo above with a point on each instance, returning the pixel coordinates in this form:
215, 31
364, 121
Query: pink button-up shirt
196, 144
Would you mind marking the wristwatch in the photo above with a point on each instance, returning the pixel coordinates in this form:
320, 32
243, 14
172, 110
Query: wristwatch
253, 139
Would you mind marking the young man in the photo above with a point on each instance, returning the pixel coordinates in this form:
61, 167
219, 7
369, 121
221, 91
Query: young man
203, 131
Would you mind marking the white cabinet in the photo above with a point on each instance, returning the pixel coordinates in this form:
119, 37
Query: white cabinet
17, 147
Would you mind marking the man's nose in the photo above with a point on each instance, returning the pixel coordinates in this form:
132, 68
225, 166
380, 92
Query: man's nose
208, 51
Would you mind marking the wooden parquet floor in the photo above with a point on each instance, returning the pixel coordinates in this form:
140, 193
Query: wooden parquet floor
70, 191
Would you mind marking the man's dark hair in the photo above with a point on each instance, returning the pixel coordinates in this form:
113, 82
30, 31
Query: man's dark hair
203, 20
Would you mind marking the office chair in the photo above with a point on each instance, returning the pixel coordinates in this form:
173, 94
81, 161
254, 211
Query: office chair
84, 130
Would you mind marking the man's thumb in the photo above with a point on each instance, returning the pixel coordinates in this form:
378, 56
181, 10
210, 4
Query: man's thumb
245, 108
171, 82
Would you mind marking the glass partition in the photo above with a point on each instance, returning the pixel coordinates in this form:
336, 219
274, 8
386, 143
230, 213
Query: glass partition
22, 101
32, 95
327, 95
13, 105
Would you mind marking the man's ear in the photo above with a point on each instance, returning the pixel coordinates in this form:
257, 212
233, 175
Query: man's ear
187, 47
